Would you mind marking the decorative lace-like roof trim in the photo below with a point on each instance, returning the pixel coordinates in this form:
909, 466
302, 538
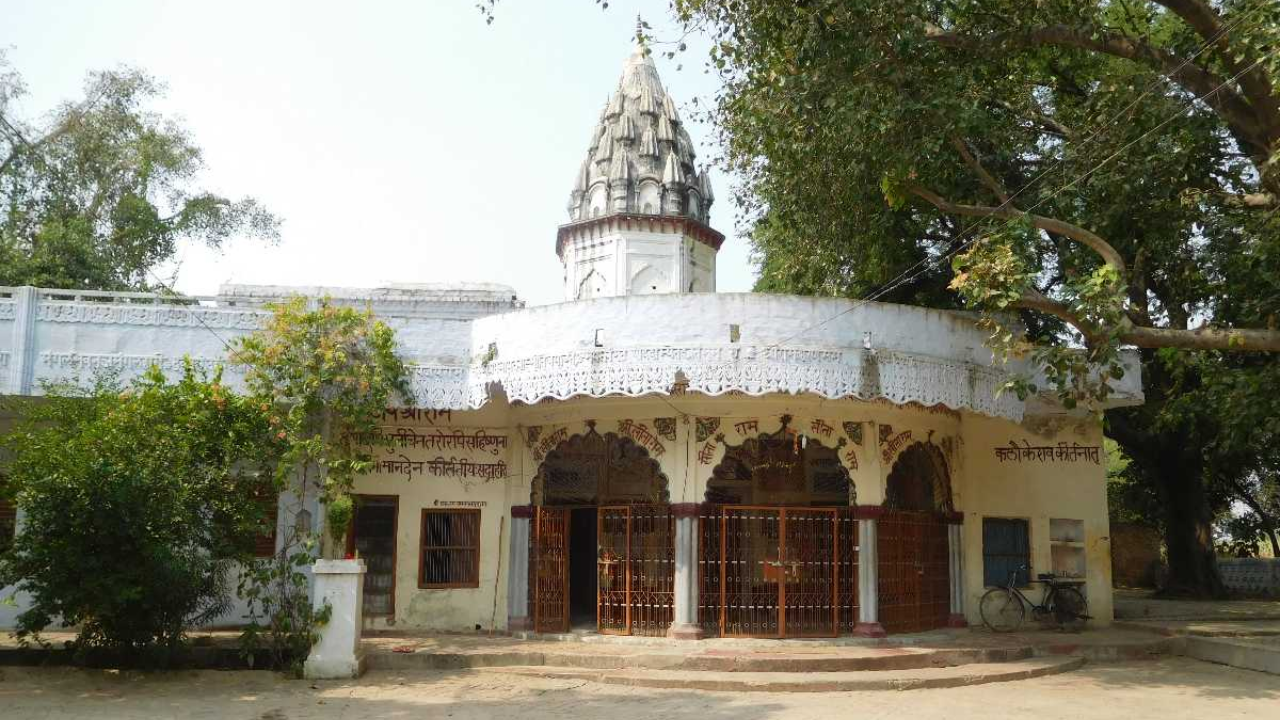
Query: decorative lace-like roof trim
897, 377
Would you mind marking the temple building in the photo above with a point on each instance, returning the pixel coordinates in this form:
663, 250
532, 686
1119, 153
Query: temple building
650, 457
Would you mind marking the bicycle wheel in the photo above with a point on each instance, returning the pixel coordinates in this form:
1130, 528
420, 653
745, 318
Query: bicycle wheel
1069, 606
1002, 611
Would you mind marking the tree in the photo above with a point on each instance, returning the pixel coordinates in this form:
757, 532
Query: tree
137, 503
104, 191
326, 375
1102, 172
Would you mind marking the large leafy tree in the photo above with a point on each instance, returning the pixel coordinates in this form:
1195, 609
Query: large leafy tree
1101, 170
103, 190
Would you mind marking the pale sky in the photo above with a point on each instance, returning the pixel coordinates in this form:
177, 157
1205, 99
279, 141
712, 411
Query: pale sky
400, 141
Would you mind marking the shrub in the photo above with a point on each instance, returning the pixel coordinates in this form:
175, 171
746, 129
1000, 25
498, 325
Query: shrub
137, 502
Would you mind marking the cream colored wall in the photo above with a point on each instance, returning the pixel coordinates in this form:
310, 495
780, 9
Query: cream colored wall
454, 609
1036, 490
981, 485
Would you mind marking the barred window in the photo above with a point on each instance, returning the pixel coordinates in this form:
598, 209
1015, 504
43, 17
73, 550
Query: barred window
450, 549
264, 544
1006, 547
8, 523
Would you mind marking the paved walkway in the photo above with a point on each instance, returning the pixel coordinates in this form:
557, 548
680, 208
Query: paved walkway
1139, 605
1168, 689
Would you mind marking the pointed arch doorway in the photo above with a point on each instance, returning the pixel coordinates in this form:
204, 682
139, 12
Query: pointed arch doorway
778, 553
914, 564
601, 550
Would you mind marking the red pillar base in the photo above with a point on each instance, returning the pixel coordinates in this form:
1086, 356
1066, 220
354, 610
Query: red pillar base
870, 630
519, 624
686, 632
957, 621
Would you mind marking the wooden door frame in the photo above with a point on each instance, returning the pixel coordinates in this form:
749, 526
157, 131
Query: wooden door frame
395, 542
782, 586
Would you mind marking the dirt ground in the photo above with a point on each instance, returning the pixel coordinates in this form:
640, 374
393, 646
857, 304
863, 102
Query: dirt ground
1167, 689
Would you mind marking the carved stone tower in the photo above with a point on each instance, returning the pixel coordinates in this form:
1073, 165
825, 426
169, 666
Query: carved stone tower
638, 213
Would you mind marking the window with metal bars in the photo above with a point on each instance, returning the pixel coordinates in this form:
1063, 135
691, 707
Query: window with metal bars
1006, 547
450, 549
8, 523
264, 544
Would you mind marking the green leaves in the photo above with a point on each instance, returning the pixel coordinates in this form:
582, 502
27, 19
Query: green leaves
136, 502
102, 192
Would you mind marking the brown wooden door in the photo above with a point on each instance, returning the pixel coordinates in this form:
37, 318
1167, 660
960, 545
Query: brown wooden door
550, 563
914, 569
779, 572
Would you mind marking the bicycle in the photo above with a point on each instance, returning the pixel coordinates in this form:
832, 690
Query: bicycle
1004, 608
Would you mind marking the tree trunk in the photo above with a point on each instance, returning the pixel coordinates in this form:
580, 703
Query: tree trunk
1188, 531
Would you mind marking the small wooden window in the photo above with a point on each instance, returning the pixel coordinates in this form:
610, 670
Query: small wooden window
1006, 547
450, 549
8, 524
264, 544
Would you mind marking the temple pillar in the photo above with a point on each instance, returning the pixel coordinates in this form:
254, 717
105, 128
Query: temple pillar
518, 574
868, 574
955, 537
685, 623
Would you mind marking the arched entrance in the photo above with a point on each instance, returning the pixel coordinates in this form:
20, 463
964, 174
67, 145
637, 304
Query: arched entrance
602, 541
914, 564
776, 542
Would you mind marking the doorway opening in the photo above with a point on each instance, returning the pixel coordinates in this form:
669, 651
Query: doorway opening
373, 538
582, 568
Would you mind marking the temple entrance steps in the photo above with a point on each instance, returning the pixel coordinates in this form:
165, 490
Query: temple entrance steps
814, 681
950, 658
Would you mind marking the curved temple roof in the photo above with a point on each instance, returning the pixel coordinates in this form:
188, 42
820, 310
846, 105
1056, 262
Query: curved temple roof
640, 158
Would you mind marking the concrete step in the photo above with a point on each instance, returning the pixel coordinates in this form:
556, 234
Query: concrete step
782, 659
945, 677
1261, 654
861, 660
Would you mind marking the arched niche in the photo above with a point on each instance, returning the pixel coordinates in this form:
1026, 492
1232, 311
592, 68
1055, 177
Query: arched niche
919, 480
650, 280
595, 469
781, 468
592, 286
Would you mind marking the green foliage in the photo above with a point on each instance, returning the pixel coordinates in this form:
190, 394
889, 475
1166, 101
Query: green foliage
104, 190
324, 376
871, 138
136, 503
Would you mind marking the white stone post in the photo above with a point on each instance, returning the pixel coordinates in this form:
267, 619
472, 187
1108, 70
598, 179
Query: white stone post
868, 575
518, 575
955, 535
685, 625
22, 354
337, 654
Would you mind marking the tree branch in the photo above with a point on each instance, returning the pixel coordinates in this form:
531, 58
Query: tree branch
1066, 229
1234, 109
1202, 338
985, 177
1208, 24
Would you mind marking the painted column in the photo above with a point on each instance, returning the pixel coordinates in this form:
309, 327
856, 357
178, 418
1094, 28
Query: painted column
337, 655
955, 535
685, 625
868, 574
23, 346
518, 575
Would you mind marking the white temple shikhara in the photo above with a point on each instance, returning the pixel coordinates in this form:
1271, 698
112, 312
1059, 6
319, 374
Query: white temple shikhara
600, 463
640, 208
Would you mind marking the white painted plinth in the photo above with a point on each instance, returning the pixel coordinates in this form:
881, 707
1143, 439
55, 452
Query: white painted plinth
337, 655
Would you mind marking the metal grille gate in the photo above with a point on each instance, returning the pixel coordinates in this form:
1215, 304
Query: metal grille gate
914, 569
636, 561
549, 562
771, 572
